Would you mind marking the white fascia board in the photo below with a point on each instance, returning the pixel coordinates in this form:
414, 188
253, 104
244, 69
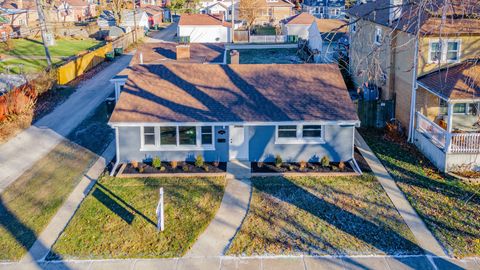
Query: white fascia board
146, 124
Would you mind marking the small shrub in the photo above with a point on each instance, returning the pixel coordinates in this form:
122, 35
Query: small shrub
325, 161
205, 168
216, 163
341, 166
278, 161
134, 164
291, 167
312, 167
303, 164
141, 169
174, 164
162, 168
199, 162
185, 168
260, 164
156, 162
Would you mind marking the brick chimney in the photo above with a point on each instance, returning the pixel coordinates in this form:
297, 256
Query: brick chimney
234, 57
183, 52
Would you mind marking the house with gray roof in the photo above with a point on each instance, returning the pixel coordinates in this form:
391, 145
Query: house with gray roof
249, 112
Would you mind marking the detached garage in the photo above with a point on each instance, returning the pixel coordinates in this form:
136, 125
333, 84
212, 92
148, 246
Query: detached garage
203, 28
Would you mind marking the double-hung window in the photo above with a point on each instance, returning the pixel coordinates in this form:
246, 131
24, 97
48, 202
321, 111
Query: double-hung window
444, 51
149, 136
177, 138
299, 134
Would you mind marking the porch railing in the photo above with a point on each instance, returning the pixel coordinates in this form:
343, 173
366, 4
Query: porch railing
465, 143
437, 134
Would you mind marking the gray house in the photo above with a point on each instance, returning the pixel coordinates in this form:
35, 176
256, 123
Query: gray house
224, 112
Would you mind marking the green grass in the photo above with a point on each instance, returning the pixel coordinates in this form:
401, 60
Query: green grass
267, 56
30, 202
25, 65
449, 207
265, 31
118, 220
63, 47
29, 51
318, 216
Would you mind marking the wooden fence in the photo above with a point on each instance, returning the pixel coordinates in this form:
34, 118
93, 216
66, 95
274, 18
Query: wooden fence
375, 113
78, 66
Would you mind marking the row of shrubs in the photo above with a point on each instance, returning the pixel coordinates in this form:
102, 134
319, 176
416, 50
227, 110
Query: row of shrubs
157, 164
324, 162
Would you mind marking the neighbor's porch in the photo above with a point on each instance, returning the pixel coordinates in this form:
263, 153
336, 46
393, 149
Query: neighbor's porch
452, 126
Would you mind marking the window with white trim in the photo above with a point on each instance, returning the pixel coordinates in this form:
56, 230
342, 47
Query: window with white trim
453, 51
149, 136
378, 35
299, 134
178, 137
444, 51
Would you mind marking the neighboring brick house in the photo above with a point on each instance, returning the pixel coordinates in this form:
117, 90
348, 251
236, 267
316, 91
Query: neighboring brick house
75, 10
325, 9
275, 11
385, 52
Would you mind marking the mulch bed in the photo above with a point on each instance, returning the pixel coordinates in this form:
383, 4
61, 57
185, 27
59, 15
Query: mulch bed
183, 167
312, 167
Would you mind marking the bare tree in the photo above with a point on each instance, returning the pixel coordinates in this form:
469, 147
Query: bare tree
251, 10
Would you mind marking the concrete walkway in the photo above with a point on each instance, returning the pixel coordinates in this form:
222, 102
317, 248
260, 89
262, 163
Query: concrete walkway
424, 237
215, 240
259, 263
21, 152
50, 234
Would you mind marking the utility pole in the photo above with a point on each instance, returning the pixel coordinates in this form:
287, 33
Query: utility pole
233, 20
43, 29
135, 21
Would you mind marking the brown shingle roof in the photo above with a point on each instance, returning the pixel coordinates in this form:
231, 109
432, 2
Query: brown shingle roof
303, 18
156, 53
331, 25
177, 92
458, 82
462, 16
199, 19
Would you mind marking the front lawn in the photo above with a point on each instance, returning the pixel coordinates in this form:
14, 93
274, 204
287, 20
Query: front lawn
25, 65
449, 207
27, 205
118, 220
318, 216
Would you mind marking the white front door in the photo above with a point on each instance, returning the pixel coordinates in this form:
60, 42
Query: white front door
238, 147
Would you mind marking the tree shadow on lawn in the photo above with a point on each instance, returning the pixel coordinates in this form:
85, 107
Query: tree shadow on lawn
339, 218
109, 199
24, 235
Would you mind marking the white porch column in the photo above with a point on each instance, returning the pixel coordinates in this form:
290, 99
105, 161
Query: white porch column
449, 127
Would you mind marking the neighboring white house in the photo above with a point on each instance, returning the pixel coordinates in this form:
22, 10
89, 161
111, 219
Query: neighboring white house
298, 25
107, 19
216, 7
203, 28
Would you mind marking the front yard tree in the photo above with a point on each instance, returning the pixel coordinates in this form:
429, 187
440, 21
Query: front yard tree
250, 10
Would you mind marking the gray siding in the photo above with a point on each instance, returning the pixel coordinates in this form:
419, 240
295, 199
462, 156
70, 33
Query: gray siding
338, 146
130, 142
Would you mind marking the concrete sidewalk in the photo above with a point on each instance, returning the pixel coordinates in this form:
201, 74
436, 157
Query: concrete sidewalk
50, 234
215, 240
424, 237
259, 263
21, 152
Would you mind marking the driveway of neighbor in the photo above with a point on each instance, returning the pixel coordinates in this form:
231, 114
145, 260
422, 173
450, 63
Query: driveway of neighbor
21, 152
165, 35
424, 237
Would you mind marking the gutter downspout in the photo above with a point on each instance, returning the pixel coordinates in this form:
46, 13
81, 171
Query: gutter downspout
117, 155
413, 101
